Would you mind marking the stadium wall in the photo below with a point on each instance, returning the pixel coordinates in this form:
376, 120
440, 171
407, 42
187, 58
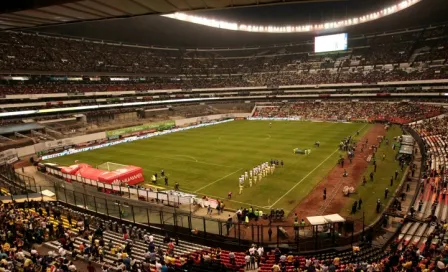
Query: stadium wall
16, 153
214, 117
11, 155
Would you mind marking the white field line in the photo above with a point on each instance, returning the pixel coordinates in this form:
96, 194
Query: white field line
312, 171
213, 182
179, 159
185, 156
297, 184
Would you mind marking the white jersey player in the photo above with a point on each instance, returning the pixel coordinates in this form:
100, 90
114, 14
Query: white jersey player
241, 185
241, 182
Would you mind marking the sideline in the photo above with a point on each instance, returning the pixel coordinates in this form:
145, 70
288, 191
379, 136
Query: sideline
213, 182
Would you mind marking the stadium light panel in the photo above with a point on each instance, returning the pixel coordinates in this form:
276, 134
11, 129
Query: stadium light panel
293, 28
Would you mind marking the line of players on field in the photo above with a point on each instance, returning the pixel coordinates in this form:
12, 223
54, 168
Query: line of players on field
257, 173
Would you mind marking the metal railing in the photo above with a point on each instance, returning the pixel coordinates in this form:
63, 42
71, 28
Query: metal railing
183, 223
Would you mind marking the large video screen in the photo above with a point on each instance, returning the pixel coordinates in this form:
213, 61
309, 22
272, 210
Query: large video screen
328, 43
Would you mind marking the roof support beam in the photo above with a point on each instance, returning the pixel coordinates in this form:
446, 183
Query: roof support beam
148, 9
30, 18
56, 14
111, 7
9, 25
205, 4
103, 13
82, 11
172, 5
21, 21
188, 4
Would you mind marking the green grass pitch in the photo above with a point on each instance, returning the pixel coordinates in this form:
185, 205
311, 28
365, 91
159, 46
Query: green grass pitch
209, 160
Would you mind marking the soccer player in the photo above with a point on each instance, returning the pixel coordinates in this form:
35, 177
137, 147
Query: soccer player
162, 173
154, 179
255, 179
166, 181
250, 182
250, 173
241, 185
246, 175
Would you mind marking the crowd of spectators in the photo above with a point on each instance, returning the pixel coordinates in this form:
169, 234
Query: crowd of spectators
372, 59
28, 51
437, 126
24, 227
281, 78
396, 112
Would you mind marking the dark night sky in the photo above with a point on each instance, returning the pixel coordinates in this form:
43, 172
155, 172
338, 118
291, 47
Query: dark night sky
161, 31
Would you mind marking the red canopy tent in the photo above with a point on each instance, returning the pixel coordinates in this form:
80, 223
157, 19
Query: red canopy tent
127, 175
72, 169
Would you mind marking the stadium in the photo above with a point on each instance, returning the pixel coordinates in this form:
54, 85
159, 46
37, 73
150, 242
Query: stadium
215, 135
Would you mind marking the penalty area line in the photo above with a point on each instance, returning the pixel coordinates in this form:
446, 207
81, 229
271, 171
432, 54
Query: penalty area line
185, 156
213, 182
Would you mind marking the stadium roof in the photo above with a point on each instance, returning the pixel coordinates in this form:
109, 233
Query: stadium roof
160, 31
24, 14
165, 32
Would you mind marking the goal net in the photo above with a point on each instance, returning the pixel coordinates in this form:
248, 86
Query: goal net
110, 166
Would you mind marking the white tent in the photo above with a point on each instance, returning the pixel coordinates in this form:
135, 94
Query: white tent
47, 193
325, 219
317, 220
334, 218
